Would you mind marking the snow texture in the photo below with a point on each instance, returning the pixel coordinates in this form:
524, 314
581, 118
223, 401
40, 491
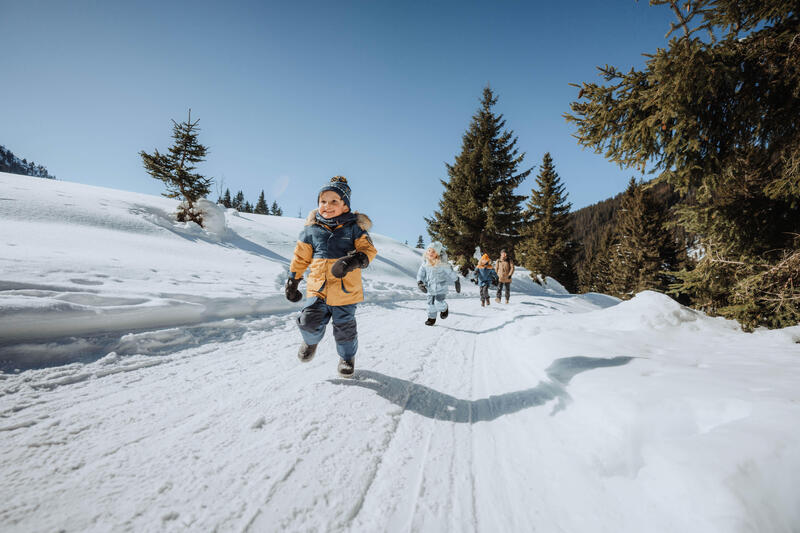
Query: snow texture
150, 383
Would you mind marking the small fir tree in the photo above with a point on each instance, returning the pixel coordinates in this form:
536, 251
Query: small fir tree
596, 274
478, 206
226, 198
261, 205
276, 209
176, 168
238, 201
546, 247
643, 253
420, 243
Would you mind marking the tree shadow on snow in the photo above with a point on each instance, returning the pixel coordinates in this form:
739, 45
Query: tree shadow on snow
431, 403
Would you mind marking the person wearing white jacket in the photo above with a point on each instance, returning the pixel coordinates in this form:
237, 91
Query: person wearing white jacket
433, 278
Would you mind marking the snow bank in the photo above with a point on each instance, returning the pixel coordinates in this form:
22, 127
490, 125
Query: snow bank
650, 310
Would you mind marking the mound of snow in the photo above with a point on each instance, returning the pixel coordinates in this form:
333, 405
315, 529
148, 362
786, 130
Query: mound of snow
654, 310
213, 218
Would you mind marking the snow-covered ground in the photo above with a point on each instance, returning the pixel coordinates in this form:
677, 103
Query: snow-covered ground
149, 383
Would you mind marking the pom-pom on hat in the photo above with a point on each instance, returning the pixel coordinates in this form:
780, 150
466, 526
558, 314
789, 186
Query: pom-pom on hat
338, 184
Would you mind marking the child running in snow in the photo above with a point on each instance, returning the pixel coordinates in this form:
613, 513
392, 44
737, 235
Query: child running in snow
484, 275
336, 246
433, 278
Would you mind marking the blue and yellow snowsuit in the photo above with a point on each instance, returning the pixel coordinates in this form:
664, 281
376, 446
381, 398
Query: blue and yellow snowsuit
321, 243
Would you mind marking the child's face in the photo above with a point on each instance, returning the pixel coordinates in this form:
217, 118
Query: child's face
331, 205
432, 255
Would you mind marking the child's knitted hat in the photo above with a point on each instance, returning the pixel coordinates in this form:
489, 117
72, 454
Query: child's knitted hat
485, 258
338, 184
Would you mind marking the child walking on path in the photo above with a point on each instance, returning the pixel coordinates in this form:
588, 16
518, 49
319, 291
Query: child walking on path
433, 278
505, 268
335, 246
484, 275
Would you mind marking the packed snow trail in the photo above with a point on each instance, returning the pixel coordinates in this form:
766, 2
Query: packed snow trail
149, 382
492, 420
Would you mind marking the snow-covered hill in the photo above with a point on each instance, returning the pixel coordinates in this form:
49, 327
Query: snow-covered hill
149, 382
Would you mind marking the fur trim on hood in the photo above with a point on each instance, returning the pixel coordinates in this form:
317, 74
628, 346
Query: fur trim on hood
362, 220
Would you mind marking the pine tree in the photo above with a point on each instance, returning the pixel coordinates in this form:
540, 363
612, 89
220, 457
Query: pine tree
546, 247
226, 199
176, 168
238, 201
261, 205
643, 254
478, 206
718, 117
596, 274
276, 210
420, 243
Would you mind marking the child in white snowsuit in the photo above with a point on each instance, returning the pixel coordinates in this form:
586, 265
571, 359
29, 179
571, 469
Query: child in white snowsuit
433, 278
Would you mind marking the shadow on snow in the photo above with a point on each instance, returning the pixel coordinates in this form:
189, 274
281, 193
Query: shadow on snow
437, 405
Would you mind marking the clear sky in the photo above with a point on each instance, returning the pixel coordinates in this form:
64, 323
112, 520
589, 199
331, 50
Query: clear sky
291, 93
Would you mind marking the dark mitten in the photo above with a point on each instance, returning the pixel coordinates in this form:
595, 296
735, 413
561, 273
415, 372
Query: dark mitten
458, 286
422, 287
348, 263
473, 280
292, 294
494, 283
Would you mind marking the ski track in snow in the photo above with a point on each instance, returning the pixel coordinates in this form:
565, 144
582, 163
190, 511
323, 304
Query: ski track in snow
426, 437
71, 417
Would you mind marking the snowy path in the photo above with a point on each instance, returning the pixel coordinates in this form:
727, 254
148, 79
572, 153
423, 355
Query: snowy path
486, 422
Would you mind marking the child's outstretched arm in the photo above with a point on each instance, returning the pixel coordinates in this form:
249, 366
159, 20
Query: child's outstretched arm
364, 245
303, 253
422, 278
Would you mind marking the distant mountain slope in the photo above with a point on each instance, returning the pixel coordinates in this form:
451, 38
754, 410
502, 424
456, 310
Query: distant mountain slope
14, 165
590, 224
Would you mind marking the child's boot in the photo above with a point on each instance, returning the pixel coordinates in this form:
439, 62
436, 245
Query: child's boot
483, 302
430, 322
306, 352
347, 367
506, 299
497, 299
444, 313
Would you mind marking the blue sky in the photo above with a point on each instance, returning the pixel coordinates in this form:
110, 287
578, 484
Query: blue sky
291, 93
